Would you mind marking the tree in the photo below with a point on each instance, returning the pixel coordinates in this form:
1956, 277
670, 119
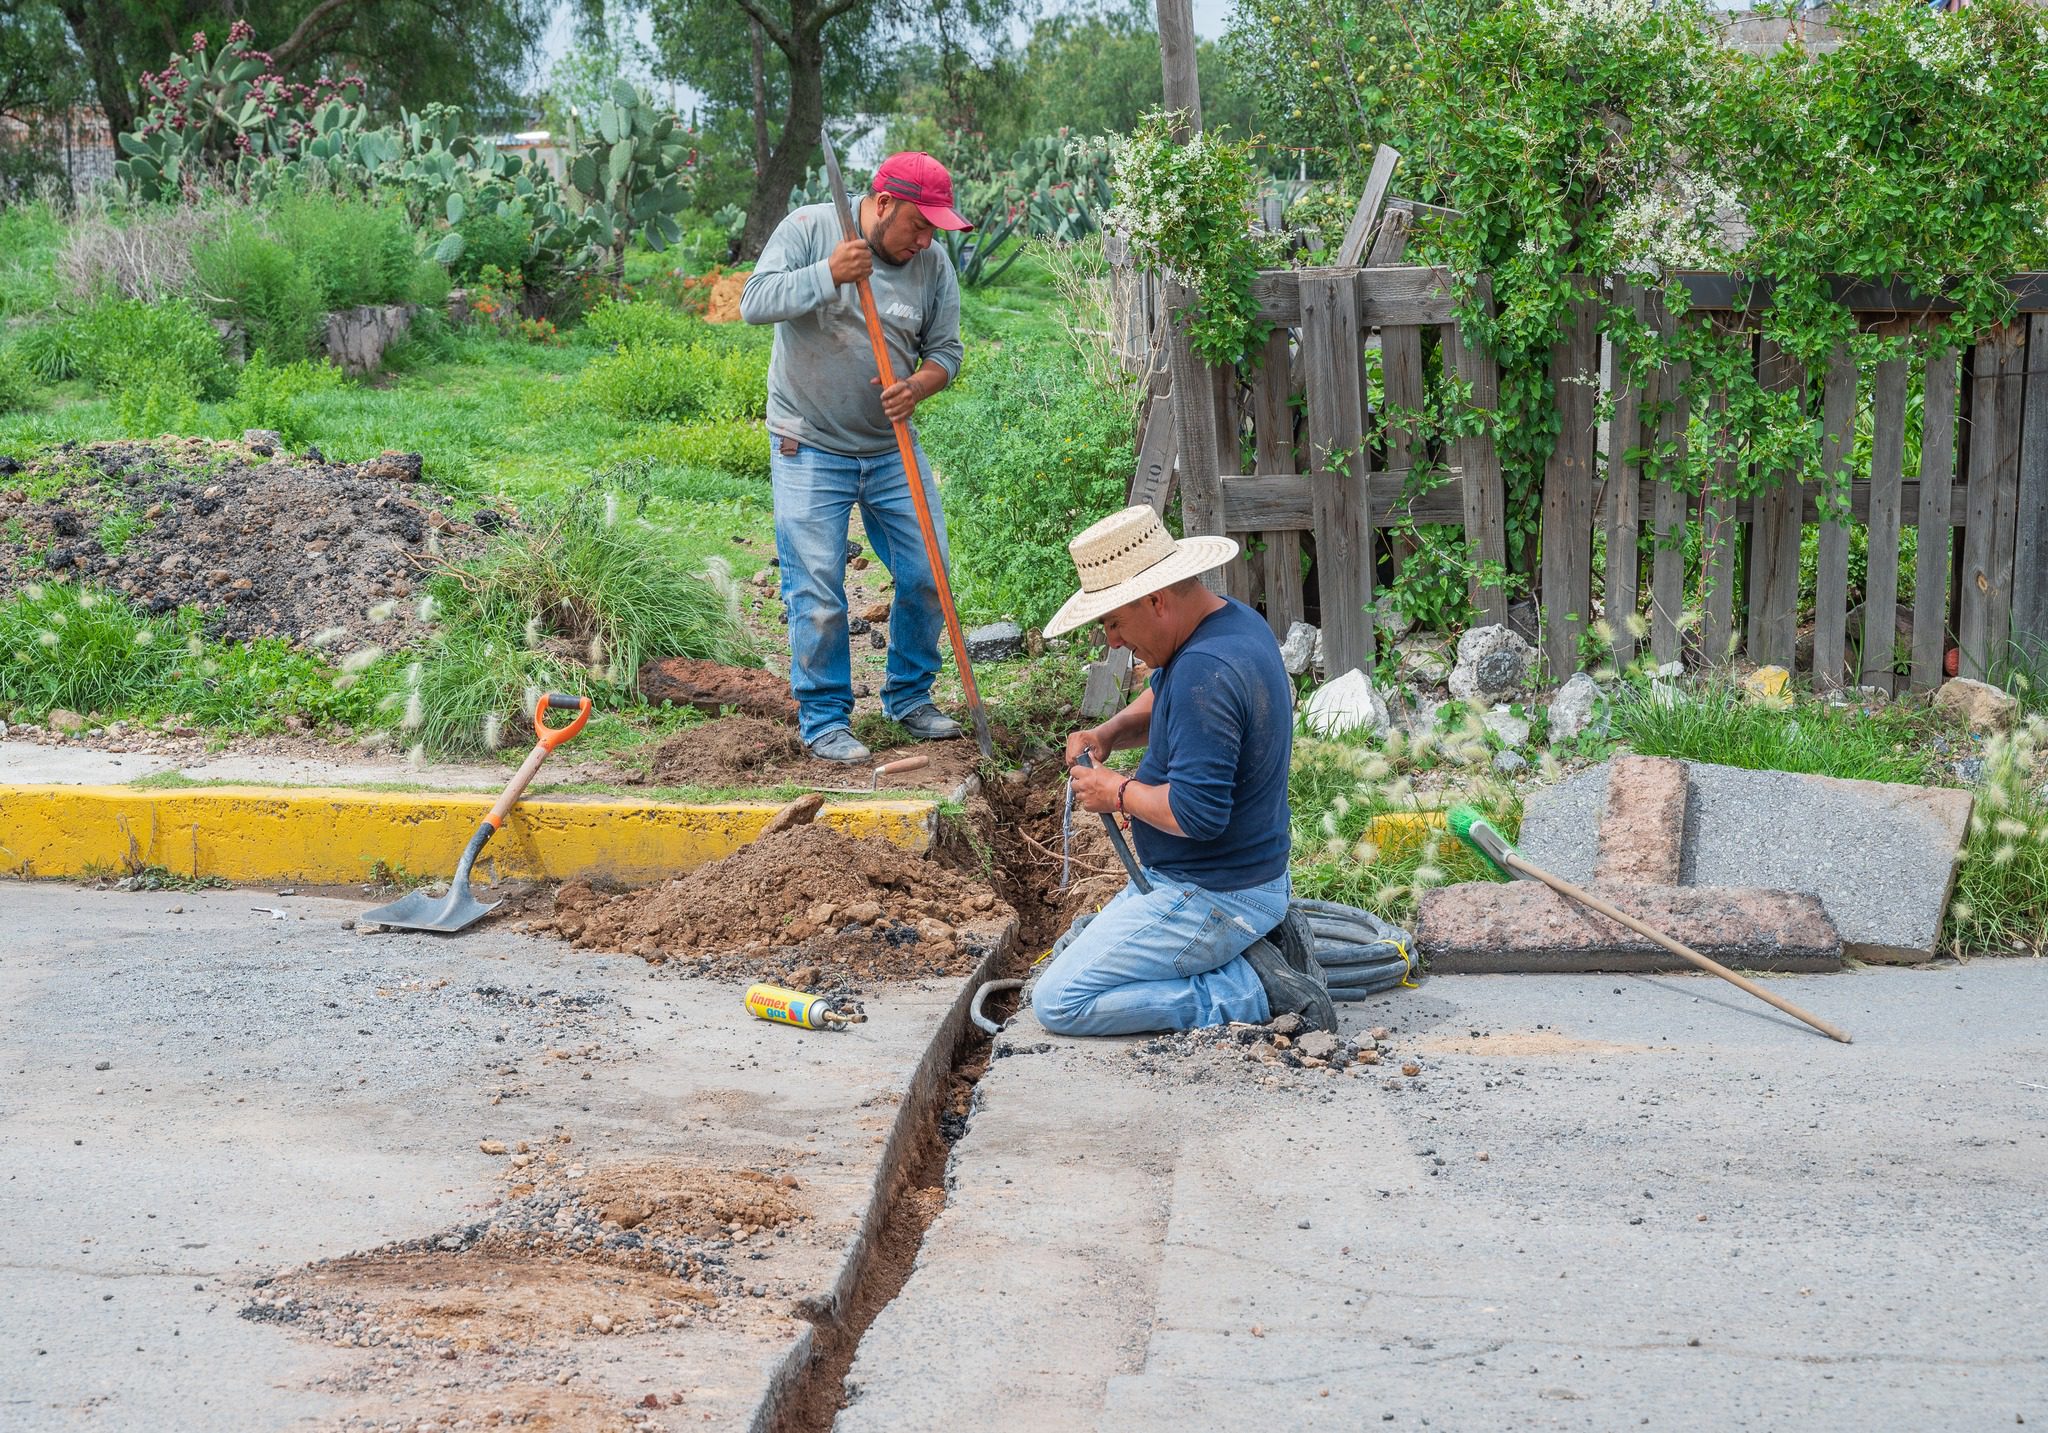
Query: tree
467, 52
40, 80
821, 56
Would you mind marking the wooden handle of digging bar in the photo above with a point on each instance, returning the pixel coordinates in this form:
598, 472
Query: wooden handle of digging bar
1683, 952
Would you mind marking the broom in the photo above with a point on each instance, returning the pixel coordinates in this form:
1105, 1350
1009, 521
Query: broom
1498, 852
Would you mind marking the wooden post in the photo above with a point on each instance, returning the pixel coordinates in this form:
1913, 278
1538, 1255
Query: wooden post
1194, 422
1339, 466
1718, 549
1937, 482
1273, 433
1624, 485
1485, 499
1831, 577
1351, 250
1774, 538
1182, 89
1985, 576
2030, 550
1887, 468
1568, 489
1667, 563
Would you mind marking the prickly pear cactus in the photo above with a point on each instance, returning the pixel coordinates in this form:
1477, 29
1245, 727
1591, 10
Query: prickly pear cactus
634, 173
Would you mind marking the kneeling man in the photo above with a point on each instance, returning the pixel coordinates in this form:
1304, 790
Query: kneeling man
1207, 807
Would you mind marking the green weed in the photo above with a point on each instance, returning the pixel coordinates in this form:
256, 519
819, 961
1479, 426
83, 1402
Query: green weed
2001, 896
257, 281
358, 251
117, 529
17, 384
677, 383
1717, 721
278, 396
31, 236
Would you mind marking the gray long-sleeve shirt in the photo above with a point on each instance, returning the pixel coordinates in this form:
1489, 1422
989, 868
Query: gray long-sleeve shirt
820, 378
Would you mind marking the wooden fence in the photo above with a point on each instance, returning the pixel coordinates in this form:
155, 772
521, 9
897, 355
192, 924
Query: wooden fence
1714, 572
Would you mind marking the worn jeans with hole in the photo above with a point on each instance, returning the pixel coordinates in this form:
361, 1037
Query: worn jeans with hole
1171, 959
815, 491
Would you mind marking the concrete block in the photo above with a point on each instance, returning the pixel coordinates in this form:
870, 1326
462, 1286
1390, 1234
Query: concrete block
1485, 927
1881, 857
1642, 832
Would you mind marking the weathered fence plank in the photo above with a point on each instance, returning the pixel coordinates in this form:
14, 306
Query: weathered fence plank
2030, 548
1276, 502
1381, 178
1934, 504
1391, 242
1623, 504
1567, 559
1401, 380
1887, 475
1195, 421
1483, 497
1273, 435
1667, 564
1984, 579
1240, 580
1718, 535
1339, 463
1385, 296
1831, 582
1774, 539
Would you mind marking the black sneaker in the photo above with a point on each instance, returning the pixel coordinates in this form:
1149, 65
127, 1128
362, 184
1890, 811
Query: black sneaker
928, 723
842, 746
1291, 991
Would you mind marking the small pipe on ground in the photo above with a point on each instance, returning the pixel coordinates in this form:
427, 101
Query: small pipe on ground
989, 988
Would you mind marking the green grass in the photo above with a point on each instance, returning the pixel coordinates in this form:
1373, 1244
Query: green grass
31, 235
1718, 722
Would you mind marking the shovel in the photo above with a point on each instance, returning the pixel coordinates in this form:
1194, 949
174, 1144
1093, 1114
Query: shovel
452, 912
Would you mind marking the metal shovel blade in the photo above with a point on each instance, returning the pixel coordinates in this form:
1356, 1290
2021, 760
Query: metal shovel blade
419, 911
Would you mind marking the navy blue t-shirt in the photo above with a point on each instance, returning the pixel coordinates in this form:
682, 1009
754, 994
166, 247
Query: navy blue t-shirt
1222, 734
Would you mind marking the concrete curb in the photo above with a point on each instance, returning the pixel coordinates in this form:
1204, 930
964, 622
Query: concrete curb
338, 836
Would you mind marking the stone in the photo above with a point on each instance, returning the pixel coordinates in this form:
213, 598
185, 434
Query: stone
1287, 1024
1493, 665
1298, 648
1317, 1044
1346, 705
1493, 927
1421, 660
64, 719
1767, 682
1388, 620
1880, 857
1642, 829
1509, 763
491, 1146
876, 611
357, 337
1571, 709
996, 642
711, 686
1512, 730
1983, 706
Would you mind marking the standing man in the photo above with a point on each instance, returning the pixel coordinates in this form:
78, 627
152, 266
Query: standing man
1207, 807
833, 444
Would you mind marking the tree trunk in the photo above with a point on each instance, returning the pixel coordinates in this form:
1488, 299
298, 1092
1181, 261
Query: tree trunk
760, 99
792, 154
90, 33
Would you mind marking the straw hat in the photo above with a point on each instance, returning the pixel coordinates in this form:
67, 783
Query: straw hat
1127, 555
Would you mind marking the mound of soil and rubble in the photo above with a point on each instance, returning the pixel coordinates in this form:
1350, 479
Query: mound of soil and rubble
847, 907
756, 751
267, 544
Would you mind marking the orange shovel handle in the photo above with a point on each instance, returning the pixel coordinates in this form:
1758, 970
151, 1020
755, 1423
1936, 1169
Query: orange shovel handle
552, 737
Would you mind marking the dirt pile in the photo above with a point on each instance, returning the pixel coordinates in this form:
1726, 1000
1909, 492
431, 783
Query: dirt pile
851, 908
268, 545
754, 751
1023, 818
711, 687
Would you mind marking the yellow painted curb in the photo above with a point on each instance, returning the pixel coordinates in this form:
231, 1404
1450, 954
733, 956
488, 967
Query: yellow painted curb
336, 836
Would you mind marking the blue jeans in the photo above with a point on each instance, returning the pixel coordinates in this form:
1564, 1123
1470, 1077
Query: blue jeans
1171, 959
814, 493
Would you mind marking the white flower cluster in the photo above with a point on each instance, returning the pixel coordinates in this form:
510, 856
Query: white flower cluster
1675, 223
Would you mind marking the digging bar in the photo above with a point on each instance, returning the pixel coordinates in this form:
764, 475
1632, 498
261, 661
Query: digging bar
913, 474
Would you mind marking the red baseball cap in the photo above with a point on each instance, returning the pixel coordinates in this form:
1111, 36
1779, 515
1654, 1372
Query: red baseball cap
921, 179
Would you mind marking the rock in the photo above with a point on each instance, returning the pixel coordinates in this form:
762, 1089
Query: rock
860, 627
879, 640
877, 612
64, 719
1287, 1024
1315, 659
1510, 763
1298, 648
1346, 704
9, 466
1388, 620
391, 466
1512, 730
1572, 708
996, 642
104, 1065
1493, 665
491, 1146
800, 812
1421, 660
710, 686
1983, 706
1970, 770
1317, 1044
1767, 682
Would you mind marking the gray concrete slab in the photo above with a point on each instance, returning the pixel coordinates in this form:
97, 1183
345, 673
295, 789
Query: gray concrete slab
284, 1090
1604, 1203
32, 763
1881, 857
